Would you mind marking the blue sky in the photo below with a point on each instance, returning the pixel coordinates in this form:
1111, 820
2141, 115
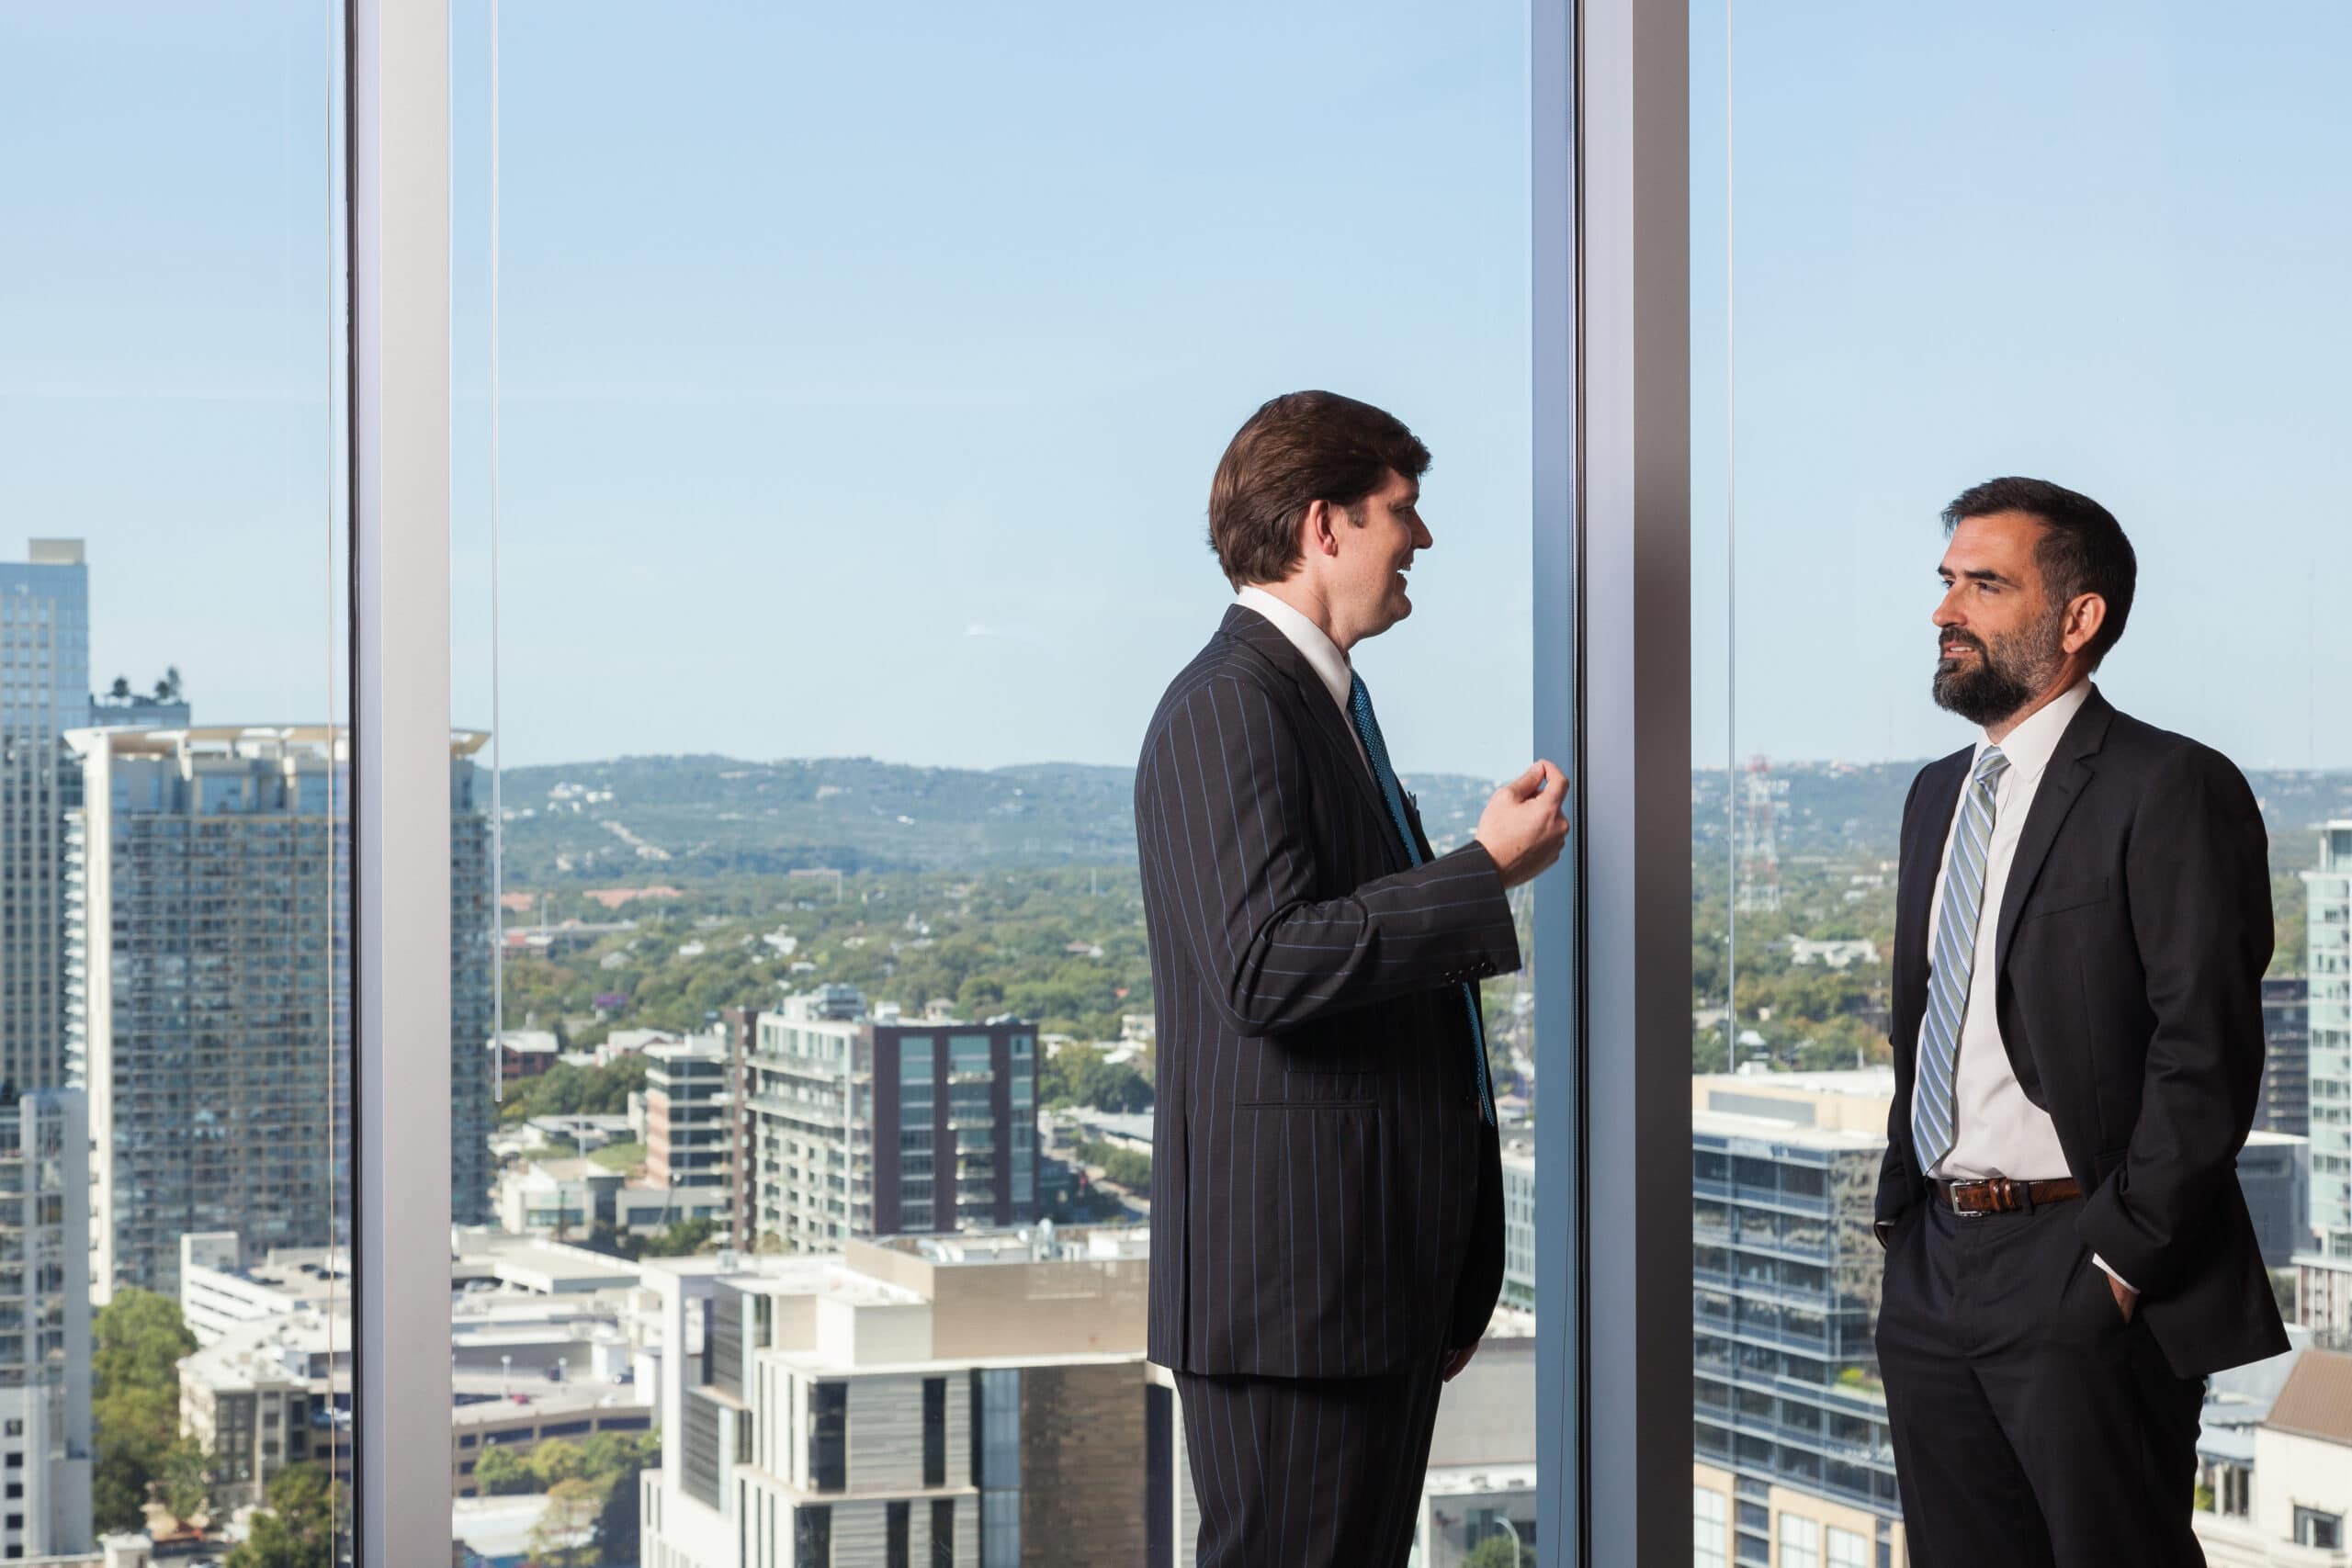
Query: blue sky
862, 374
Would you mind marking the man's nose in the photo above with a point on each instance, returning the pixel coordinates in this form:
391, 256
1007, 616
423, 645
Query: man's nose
1421, 539
1945, 616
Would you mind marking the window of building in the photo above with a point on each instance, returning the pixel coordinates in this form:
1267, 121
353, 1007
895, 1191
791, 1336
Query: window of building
1800, 1542
1710, 1528
943, 1532
812, 1536
828, 1436
1847, 1549
894, 1535
2313, 1527
934, 1431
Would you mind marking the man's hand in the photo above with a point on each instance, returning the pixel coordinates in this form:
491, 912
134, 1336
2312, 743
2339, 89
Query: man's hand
1457, 1359
1522, 827
2127, 1300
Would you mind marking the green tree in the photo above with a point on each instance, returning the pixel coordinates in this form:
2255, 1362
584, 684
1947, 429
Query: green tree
1498, 1550
1113, 1087
502, 1470
1058, 1075
297, 1527
184, 1480
137, 1340
566, 1532
678, 1239
557, 1461
617, 1466
1128, 1169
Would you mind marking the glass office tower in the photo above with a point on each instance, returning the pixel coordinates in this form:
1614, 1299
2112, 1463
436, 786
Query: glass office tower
44, 691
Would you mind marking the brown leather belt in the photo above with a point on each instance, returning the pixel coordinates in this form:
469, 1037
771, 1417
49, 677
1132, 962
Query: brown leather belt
1999, 1195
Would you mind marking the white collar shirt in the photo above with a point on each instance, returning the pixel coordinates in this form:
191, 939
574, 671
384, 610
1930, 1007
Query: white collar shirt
1322, 655
1996, 1131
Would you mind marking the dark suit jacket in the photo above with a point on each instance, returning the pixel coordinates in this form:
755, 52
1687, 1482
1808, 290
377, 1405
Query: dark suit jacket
2133, 938
1326, 1200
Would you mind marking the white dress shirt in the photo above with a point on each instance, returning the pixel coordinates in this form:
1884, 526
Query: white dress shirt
1330, 664
1996, 1131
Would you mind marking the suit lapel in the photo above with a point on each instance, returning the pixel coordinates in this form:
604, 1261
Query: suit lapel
2062, 784
1253, 629
1923, 854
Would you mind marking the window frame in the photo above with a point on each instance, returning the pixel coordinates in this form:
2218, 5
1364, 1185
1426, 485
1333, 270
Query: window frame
1609, 390
1610, 330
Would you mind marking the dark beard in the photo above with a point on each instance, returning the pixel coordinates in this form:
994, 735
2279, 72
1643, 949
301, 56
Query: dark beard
2009, 673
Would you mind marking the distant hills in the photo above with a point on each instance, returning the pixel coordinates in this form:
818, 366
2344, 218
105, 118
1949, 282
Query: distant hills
697, 818
1842, 808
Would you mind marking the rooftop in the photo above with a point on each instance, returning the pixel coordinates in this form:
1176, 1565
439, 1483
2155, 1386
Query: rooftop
2316, 1400
1771, 1129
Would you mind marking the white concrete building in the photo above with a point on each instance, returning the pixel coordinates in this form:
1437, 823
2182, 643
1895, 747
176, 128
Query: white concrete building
689, 1118
1519, 1225
219, 1293
2328, 962
45, 1436
831, 1417
2300, 1508
568, 1199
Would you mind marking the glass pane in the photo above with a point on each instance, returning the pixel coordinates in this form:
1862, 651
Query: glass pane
1928, 252
858, 392
174, 916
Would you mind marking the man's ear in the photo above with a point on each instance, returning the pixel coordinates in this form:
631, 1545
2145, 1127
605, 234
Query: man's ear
1318, 533
2085, 613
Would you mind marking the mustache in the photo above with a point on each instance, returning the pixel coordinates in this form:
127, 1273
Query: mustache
1964, 639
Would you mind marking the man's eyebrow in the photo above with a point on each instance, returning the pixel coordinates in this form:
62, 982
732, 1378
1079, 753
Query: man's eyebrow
1979, 574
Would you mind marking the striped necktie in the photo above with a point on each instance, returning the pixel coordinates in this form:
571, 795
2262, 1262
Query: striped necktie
1375, 752
1933, 1098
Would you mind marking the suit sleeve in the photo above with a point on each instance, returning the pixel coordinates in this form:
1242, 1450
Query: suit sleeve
1898, 1185
2198, 878
1222, 801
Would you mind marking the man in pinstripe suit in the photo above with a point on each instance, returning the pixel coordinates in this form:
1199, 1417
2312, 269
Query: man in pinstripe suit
1327, 1204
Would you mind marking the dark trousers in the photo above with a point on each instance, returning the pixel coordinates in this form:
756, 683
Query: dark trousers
2034, 1427
1302, 1472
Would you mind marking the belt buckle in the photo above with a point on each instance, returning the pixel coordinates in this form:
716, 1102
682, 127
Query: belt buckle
1966, 1213
2001, 1195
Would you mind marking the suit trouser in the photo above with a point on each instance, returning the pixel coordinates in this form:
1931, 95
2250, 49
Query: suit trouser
2034, 1426
1300, 1472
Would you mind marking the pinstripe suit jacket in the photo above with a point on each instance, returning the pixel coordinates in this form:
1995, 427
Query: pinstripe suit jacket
1326, 1200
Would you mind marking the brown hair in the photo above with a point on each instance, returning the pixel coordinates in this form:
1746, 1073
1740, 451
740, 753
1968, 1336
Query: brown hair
1297, 450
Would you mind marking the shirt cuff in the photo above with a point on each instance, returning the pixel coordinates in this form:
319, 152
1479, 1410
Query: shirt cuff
2114, 1276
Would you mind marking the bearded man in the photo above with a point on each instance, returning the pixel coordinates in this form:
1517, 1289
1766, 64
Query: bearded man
2083, 922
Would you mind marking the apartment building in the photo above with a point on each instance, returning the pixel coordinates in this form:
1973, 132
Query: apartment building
44, 693
863, 1124
207, 948
45, 1436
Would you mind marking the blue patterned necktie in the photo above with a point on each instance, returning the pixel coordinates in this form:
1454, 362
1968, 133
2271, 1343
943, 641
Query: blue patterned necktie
1375, 751
1934, 1100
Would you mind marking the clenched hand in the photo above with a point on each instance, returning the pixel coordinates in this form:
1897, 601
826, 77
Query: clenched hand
1522, 826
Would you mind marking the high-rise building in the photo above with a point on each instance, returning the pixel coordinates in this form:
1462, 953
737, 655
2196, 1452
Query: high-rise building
973, 1399
2286, 1104
1791, 1434
869, 1125
1518, 1226
2324, 1275
689, 1113
2329, 967
473, 1116
44, 691
45, 1323
208, 953
2275, 1175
